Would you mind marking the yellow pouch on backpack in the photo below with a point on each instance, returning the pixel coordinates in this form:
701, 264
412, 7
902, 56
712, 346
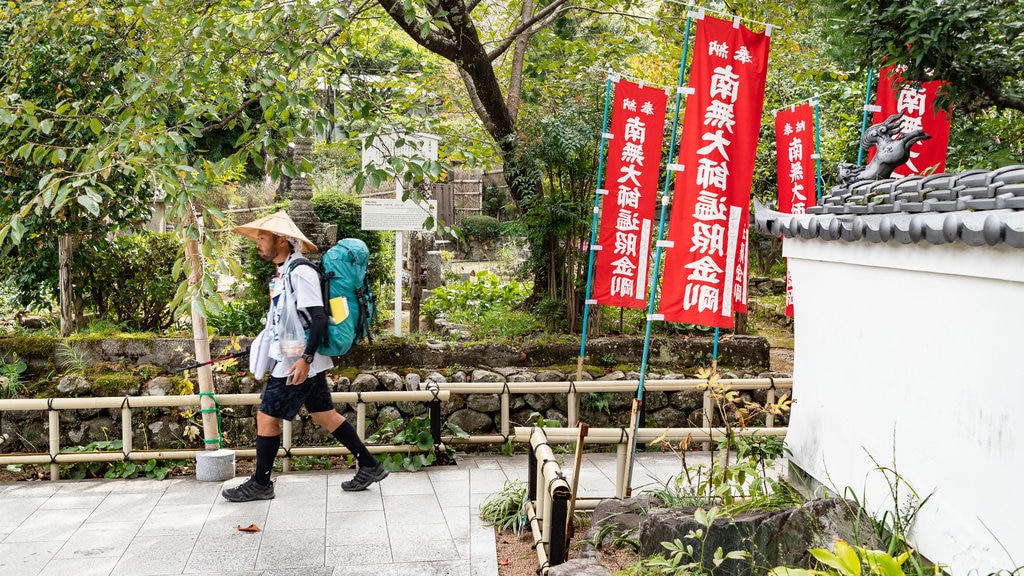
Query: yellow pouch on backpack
339, 309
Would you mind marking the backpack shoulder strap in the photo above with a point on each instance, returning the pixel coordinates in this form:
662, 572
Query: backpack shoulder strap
301, 261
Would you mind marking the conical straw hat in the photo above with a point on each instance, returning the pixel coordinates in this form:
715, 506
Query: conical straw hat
277, 223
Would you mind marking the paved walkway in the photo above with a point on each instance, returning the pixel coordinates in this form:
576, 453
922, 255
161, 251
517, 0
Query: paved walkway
411, 524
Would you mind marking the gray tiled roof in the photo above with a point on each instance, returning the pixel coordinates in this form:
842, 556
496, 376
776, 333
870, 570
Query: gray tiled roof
976, 207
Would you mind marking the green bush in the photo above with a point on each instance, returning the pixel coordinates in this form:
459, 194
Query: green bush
241, 317
474, 298
130, 280
481, 228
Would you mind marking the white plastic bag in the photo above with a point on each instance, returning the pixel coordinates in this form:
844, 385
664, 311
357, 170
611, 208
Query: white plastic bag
289, 328
259, 354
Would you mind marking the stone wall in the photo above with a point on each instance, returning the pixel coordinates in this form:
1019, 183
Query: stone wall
476, 413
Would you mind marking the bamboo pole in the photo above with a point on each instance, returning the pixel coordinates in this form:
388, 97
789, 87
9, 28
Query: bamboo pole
553, 494
191, 400
54, 421
609, 386
538, 537
145, 455
200, 335
614, 435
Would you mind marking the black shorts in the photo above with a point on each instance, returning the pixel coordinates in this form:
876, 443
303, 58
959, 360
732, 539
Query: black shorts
283, 401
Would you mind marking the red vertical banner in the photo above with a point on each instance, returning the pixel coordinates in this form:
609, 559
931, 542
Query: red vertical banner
704, 275
794, 153
918, 108
631, 179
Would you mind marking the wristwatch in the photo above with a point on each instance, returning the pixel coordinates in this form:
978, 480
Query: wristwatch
308, 358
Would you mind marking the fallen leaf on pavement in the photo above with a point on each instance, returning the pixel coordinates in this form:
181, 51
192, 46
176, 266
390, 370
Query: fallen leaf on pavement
249, 528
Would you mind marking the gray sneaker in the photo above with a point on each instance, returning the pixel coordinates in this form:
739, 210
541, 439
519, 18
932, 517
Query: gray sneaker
248, 491
364, 477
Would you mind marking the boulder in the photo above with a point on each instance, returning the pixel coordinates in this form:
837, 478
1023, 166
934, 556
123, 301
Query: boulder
772, 538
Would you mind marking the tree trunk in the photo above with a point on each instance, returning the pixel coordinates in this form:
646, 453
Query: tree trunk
64, 254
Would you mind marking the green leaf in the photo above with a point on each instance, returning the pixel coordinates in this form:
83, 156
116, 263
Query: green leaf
95, 126
784, 571
847, 556
90, 204
882, 563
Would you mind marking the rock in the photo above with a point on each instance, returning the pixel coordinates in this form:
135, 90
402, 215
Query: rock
72, 384
391, 381
484, 402
387, 414
667, 418
364, 383
341, 384
522, 377
773, 538
579, 567
486, 376
539, 402
158, 386
654, 400
472, 421
412, 381
550, 376
625, 513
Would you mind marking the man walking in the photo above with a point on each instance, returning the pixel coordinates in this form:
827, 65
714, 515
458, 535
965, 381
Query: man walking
294, 382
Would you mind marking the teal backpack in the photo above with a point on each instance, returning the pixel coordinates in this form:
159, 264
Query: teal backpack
342, 272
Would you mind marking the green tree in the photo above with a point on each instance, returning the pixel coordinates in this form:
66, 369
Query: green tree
975, 45
476, 40
138, 93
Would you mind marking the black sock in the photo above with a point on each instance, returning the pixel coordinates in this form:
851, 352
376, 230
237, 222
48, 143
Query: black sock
266, 451
347, 435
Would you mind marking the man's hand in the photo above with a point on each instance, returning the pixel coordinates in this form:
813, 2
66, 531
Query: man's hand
298, 372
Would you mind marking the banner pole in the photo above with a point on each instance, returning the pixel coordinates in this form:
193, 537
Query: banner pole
817, 152
864, 120
657, 253
593, 229
714, 353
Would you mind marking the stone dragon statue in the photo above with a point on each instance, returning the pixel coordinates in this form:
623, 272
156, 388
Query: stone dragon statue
892, 150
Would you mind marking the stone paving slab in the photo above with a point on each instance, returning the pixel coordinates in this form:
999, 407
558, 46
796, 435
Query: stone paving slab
412, 524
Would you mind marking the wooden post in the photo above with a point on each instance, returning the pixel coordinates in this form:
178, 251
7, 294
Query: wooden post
415, 280
64, 252
570, 529
201, 338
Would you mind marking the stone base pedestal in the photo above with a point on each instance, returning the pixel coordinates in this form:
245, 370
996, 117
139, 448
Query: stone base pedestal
215, 465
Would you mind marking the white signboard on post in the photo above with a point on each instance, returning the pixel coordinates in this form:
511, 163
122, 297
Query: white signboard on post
394, 214
380, 214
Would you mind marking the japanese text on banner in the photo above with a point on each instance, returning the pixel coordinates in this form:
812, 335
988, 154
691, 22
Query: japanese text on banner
794, 152
705, 269
631, 178
918, 108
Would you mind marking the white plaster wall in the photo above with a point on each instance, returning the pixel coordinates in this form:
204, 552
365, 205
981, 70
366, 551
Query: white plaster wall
914, 355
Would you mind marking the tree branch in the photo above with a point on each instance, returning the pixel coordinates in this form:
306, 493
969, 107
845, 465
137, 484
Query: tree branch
434, 41
553, 11
478, 105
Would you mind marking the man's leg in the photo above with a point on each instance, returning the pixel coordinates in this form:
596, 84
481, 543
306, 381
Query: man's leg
370, 470
279, 401
268, 440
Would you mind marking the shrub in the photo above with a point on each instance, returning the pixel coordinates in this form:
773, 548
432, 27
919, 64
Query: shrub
483, 229
241, 316
130, 280
475, 298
